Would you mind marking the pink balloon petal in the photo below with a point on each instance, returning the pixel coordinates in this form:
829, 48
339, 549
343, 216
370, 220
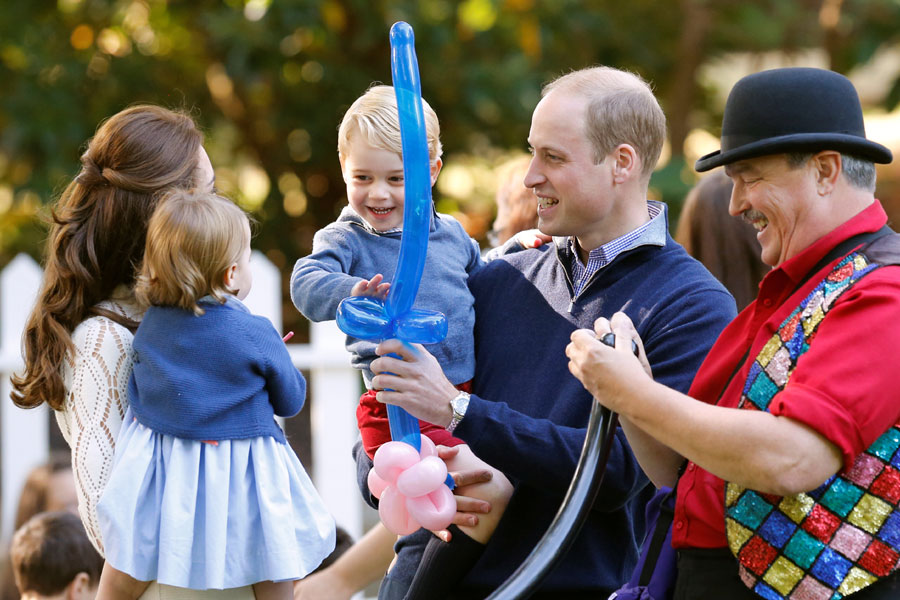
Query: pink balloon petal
428, 447
435, 510
393, 458
393, 512
422, 478
376, 483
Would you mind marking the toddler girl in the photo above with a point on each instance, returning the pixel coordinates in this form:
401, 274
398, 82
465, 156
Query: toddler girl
205, 493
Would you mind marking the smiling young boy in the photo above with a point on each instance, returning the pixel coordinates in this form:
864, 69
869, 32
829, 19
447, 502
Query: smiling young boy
357, 254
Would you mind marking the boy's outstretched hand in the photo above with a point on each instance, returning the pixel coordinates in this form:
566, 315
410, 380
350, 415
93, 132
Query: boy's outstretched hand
532, 238
373, 287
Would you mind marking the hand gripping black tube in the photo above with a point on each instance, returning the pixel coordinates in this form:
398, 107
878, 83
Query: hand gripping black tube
573, 511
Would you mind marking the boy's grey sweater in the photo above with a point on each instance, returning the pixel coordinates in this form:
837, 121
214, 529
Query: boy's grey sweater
350, 250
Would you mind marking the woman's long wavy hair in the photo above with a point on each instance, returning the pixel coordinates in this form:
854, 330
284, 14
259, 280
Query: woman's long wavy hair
97, 234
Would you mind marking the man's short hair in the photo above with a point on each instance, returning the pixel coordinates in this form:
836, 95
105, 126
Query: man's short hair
49, 550
374, 117
860, 173
621, 110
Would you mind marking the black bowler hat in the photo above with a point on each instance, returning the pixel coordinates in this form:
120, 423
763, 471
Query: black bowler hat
792, 110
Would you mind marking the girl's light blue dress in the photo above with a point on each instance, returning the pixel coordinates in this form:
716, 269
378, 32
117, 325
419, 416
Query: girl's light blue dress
194, 515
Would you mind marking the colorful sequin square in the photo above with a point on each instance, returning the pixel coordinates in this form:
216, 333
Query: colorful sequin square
783, 575
850, 541
821, 524
764, 591
830, 568
879, 559
887, 485
790, 329
890, 531
841, 497
755, 370
886, 445
765, 355
797, 344
865, 470
750, 510
803, 549
870, 513
779, 367
810, 589
762, 390
757, 555
737, 535
777, 529
856, 580
796, 507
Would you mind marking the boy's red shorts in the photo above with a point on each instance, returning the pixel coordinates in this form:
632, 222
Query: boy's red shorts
372, 419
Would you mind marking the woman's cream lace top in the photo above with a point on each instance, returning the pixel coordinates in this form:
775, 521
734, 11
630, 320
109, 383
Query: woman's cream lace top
96, 380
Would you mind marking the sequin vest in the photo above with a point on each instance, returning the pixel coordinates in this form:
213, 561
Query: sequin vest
844, 535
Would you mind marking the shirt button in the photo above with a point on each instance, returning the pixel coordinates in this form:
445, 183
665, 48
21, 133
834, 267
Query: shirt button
767, 302
679, 525
690, 466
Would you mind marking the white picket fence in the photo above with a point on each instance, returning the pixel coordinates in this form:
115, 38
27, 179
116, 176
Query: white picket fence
334, 391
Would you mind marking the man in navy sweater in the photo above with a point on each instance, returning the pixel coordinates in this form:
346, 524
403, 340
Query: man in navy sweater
596, 136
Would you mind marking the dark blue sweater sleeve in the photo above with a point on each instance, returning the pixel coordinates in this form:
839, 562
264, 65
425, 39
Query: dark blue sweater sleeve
285, 385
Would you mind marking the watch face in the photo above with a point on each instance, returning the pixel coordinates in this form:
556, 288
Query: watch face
459, 405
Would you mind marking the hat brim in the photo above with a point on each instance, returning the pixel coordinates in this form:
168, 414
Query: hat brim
798, 142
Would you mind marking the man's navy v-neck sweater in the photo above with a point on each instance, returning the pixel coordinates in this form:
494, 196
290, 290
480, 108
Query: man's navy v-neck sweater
528, 416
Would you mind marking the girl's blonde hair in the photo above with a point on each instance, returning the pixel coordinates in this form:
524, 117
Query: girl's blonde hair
192, 240
374, 116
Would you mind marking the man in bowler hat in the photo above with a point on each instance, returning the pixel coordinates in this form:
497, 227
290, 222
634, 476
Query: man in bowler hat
789, 464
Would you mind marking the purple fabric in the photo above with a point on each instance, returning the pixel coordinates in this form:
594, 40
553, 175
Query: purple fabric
658, 582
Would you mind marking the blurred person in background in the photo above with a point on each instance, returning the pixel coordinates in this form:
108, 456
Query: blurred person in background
53, 559
516, 204
48, 487
726, 245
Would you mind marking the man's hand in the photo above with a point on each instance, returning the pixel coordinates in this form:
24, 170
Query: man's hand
415, 380
372, 287
606, 371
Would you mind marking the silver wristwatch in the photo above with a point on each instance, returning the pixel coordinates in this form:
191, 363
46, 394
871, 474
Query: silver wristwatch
459, 404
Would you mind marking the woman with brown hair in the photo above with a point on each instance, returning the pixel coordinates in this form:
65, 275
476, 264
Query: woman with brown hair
726, 245
77, 342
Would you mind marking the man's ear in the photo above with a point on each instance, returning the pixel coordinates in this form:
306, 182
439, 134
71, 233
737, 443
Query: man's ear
435, 170
80, 588
625, 163
827, 166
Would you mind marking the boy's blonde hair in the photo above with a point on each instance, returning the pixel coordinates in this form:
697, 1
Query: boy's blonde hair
192, 240
374, 116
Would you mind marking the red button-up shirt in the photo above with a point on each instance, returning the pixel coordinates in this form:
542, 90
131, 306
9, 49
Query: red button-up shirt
845, 387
